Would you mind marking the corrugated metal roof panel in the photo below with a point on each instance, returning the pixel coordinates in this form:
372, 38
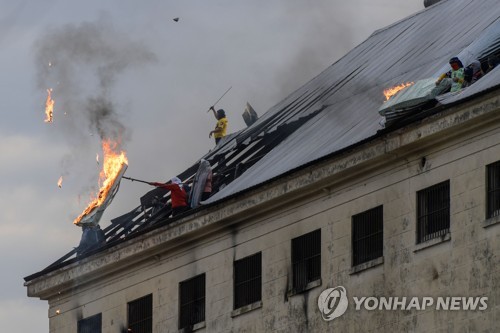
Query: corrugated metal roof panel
350, 92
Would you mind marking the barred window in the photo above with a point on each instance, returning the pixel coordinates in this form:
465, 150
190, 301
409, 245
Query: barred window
493, 190
140, 315
306, 259
247, 280
192, 301
91, 324
367, 235
433, 212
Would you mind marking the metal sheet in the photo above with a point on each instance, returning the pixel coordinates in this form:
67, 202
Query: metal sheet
350, 92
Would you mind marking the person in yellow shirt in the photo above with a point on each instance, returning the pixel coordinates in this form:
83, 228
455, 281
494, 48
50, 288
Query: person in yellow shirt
220, 129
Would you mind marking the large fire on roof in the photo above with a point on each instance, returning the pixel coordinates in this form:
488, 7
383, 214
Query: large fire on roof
113, 167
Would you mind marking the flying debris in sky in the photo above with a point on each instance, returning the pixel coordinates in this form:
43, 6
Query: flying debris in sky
176, 19
59, 182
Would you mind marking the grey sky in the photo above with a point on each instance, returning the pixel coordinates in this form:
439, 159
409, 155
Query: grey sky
263, 49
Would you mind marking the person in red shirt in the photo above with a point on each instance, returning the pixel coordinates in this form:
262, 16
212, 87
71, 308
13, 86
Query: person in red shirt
177, 195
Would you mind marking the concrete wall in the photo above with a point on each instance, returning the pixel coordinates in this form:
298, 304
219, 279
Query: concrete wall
465, 264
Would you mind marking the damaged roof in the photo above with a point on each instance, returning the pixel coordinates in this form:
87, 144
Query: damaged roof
349, 92
335, 110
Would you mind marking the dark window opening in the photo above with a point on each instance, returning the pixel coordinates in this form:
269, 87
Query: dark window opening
306, 259
91, 324
140, 315
367, 236
493, 190
192, 301
247, 280
433, 212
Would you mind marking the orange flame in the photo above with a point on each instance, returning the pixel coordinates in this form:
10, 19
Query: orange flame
389, 92
49, 107
59, 182
112, 165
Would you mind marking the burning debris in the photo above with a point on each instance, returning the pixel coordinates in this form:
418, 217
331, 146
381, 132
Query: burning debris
49, 107
59, 182
114, 166
410, 98
96, 51
389, 92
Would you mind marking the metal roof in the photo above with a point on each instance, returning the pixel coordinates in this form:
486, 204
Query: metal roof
337, 109
350, 92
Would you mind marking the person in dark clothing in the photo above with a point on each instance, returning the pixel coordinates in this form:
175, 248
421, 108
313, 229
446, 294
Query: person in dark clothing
493, 61
177, 195
472, 73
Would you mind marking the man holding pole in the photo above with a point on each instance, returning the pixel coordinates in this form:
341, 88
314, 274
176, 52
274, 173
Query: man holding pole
178, 193
220, 129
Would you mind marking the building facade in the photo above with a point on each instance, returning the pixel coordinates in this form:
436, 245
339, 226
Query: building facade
322, 220
413, 212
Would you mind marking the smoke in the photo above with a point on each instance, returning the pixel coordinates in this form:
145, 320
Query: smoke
102, 117
82, 64
326, 35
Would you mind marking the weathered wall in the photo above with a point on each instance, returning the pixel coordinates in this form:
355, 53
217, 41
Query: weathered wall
465, 265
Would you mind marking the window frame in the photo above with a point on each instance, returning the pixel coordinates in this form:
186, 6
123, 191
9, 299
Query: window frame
370, 216
251, 280
142, 303
92, 328
432, 215
308, 264
188, 284
492, 190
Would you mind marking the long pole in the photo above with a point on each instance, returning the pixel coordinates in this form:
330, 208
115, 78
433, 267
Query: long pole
136, 180
224, 94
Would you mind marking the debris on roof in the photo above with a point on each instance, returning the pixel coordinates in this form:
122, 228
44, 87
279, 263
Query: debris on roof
420, 96
249, 115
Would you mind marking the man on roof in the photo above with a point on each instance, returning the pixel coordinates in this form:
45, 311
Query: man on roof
221, 128
178, 195
472, 73
455, 75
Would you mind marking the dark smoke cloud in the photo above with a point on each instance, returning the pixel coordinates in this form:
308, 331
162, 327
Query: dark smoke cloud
82, 63
324, 38
103, 118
